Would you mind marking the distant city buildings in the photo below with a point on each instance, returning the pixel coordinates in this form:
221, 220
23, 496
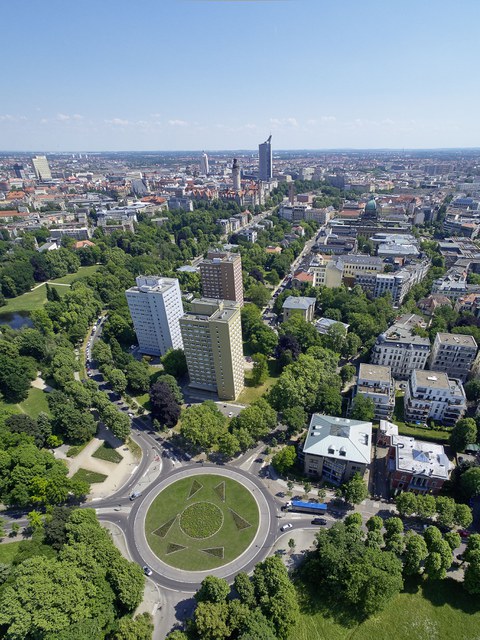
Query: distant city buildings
221, 275
204, 168
265, 165
155, 305
212, 341
236, 175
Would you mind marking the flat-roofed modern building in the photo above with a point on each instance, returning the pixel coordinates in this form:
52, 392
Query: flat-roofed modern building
221, 274
432, 394
155, 305
453, 353
375, 382
42, 168
299, 305
337, 448
212, 341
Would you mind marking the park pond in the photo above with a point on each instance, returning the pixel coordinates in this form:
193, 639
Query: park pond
16, 320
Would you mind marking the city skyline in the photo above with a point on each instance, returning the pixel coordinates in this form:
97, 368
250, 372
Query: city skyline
362, 77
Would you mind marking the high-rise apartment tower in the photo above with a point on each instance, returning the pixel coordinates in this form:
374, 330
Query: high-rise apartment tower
221, 274
42, 169
155, 305
236, 175
212, 341
204, 164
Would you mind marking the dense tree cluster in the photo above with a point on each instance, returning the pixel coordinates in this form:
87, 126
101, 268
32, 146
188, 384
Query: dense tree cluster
78, 587
445, 510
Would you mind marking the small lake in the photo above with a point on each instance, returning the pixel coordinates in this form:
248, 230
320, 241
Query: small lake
16, 320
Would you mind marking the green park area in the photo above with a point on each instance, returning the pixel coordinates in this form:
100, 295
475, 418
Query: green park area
438, 610
252, 392
108, 453
35, 403
37, 297
202, 522
92, 477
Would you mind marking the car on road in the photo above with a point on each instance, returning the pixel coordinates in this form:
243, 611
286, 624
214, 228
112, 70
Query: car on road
230, 414
286, 527
134, 495
321, 521
131, 416
147, 571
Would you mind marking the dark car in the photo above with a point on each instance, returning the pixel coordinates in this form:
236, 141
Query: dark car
319, 521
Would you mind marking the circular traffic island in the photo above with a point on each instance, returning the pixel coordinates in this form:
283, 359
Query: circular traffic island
201, 522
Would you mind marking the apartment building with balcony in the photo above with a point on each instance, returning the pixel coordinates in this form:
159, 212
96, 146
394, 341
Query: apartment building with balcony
212, 341
375, 382
453, 353
400, 349
221, 275
432, 394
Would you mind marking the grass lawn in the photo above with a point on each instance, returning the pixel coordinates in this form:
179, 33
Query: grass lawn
439, 610
91, 477
201, 522
251, 393
106, 452
35, 403
37, 298
75, 449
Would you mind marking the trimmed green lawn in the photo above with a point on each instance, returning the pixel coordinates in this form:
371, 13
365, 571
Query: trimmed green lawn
37, 298
81, 273
439, 610
106, 452
35, 403
251, 393
225, 512
75, 449
91, 477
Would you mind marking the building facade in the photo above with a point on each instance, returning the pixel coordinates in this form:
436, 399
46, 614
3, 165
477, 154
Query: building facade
400, 349
265, 165
337, 448
41, 168
212, 341
299, 305
375, 382
454, 354
432, 394
155, 305
221, 275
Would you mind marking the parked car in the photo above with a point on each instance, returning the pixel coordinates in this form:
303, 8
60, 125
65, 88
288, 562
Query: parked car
286, 527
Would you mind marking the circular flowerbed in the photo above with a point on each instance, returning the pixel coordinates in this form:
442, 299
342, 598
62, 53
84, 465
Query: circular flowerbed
201, 520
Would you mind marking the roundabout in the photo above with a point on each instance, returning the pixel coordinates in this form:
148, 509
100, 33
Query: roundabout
202, 521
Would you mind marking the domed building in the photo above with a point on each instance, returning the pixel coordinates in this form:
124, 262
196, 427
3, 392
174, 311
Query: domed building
370, 212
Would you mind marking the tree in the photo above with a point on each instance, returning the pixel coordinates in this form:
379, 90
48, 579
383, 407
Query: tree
175, 363
471, 580
291, 544
374, 523
55, 527
432, 536
473, 544
245, 590
176, 635
351, 345
426, 506
406, 503
258, 294
138, 376
463, 516
463, 433
355, 490
295, 418
335, 337
203, 424
415, 552
454, 540
21, 423
353, 520
329, 400
211, 621
285, 459
164, 407
16, 375
347, 372
445, 511
472, 391
363, 408
470, 482
260, 369
213, 589
173, 384
139, 628
438, 560
228, 444
117, 380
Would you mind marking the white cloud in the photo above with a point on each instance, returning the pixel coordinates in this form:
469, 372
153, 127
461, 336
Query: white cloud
119, 122
178, 123
284, 122
7, 117
62, 117
328, 119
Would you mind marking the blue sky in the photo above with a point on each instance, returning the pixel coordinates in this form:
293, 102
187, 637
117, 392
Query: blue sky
198, 74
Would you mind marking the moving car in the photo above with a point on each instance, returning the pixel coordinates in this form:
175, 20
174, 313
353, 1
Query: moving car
135, 494
319, 521
147, 571
286, 527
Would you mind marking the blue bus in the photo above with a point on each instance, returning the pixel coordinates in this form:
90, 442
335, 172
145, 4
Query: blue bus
305, 507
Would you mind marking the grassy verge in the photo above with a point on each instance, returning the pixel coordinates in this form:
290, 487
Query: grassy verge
135, 449
440, 610
35, 403
74, 450
252, 393
106, 452
8, 551
82, 272
91, 477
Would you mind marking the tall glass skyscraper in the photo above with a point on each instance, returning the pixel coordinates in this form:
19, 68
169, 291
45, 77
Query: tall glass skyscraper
265, 160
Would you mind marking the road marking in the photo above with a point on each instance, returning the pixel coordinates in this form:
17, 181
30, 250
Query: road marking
134, 469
